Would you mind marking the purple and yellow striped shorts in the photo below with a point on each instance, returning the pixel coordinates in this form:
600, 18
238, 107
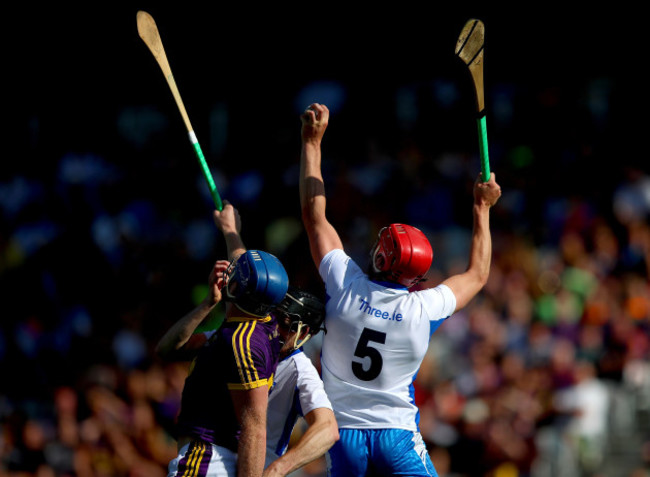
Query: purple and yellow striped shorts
201, 459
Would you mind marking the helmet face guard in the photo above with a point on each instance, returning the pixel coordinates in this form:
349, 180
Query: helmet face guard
402, 253
304, 310
255, 282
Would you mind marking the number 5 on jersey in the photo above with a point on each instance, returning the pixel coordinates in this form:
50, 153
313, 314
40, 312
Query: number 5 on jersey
364, 350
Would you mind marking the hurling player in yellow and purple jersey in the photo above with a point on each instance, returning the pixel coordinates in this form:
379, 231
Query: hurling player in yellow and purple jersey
243, 355
221, 427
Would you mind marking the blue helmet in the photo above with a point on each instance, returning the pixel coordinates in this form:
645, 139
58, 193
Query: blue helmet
256, 282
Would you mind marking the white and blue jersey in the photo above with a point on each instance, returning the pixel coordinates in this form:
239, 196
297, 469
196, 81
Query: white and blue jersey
377, 336
297, 390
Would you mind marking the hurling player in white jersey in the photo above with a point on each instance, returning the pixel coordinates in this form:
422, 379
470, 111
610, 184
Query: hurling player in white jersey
377, 330
297, 390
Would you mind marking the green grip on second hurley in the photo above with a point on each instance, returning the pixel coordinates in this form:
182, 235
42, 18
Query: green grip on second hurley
206, 172
483, 147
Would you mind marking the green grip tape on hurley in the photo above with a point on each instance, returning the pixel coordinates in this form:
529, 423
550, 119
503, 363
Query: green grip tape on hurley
483, 147
206, 172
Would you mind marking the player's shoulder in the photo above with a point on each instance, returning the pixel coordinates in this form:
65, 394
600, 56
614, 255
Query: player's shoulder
338, 258
300, 359
335, 254
339, 271
294, 360
438, 301
440, 288
303, 364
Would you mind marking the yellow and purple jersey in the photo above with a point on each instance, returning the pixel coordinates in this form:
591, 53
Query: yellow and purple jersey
243, 354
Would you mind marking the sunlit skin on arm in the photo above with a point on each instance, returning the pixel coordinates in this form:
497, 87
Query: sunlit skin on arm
250, 408
322, 236
467, 284
181, 335
321, 434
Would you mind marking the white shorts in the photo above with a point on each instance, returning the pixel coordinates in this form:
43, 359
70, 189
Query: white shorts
201, 459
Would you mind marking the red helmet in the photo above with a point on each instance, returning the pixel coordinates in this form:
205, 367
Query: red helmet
403, 253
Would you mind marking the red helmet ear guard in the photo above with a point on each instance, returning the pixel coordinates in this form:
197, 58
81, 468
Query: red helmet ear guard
403, 253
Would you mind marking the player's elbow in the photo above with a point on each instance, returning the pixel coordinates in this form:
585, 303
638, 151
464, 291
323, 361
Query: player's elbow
308, 218
332, 430
478, 280
332, 433
316, 223
477, 274
335, 434
312, 215
482, 278
324, 425
466, 286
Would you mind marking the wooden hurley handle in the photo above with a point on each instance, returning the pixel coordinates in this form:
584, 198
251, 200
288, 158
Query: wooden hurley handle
148, 31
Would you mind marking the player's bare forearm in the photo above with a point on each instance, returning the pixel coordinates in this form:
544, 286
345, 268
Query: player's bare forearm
311, 185
234, 244
180, 333
481, 247
228, 222
312, 189
321, 434
322, 236
466, 285
251, 451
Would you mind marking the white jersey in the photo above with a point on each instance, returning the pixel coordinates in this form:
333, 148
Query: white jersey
377, 335
297, 390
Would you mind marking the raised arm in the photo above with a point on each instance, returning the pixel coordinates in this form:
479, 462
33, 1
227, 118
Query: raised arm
322, 235
182, 332
321, 434
467, 284
229, 223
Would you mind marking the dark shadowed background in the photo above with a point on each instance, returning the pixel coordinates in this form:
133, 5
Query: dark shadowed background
106, 234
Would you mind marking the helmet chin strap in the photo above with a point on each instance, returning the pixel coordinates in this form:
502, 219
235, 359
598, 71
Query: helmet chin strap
296, 344
373, 259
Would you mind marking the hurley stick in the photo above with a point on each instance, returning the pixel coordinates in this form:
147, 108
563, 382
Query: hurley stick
469, 48
148, 31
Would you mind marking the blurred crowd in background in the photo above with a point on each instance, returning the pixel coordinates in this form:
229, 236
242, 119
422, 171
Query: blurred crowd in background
546, 373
